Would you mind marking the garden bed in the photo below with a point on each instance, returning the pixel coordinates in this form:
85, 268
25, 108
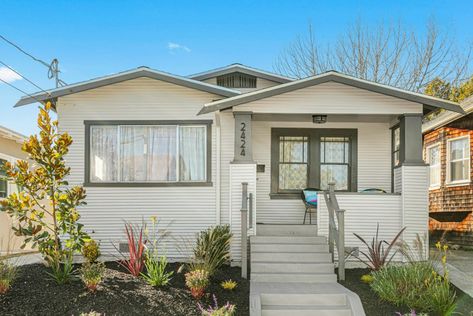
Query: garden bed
34, 293
374, 306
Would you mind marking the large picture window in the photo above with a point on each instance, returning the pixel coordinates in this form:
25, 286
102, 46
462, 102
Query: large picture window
148, 153
458, 160
314, 158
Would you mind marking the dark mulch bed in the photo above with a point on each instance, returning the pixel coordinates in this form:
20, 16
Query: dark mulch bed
34, 293
374, 306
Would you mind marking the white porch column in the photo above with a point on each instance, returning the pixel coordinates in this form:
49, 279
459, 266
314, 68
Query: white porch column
242, 170
411, 180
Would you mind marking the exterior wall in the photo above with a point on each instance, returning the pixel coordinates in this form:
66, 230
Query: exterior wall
450, 198
332, 98
260, 84
9, 150
374, 165
182, 211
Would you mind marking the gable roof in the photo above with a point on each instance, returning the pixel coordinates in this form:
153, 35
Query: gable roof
142, 71
243, 69
448, 117
11, 134
331, 76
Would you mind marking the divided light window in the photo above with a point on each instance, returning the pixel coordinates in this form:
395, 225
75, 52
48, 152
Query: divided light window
458, 160
303, 158
236, 80
148, 153
3, 180
433, 159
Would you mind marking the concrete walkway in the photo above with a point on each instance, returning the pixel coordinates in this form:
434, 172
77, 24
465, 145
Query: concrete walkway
460, 266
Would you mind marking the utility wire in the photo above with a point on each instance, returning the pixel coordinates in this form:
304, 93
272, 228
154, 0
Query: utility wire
19, 74
25, 52
22, 91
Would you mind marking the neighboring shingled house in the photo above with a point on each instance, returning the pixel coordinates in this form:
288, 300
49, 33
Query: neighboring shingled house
448, 148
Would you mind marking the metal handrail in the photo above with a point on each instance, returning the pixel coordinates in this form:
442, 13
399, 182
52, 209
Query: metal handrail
336, 231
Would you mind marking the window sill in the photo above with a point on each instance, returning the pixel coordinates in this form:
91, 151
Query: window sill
434, 187
458, 184
285, 196
147, 184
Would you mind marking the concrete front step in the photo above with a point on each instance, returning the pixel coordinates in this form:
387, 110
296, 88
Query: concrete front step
288, 240
304, 299
295, 257
308, 248
297, 310
293, 277
286, 230
284, 267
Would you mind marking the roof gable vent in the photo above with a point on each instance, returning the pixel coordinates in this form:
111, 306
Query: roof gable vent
237, 80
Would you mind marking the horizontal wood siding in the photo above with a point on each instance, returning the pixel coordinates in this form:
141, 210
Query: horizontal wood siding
374, 165
183, 211
332, 98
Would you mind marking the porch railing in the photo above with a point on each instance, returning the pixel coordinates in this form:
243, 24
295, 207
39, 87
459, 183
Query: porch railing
246, 212
336, 230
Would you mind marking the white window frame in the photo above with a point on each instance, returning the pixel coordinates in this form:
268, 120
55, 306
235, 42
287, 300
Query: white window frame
448, 168
10, 185
439, 165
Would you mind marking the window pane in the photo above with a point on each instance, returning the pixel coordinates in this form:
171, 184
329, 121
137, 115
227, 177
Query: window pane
192, 152
459, 170
292, 176
334, 173
334, 149
397, 139
396, 158
434, 155
434, 162
104, 154
435, 175
293, 149
161, 154
459, 149
3, 181
133, 153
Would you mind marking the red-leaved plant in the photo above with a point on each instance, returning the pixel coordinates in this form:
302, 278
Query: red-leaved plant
134, 261
378, 251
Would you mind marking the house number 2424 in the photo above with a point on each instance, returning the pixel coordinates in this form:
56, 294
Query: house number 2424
243, 139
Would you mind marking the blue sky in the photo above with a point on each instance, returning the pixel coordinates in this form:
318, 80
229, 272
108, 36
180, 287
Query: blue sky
95, 38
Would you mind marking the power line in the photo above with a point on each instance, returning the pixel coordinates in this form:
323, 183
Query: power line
19, 74
53, 67
22, 91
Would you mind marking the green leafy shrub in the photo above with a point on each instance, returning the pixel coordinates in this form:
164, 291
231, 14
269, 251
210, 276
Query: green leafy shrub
91, 251
92, 274
212, 249
378, 254
156, 274
417, 286
226, 310
62, 267
197, 281
8, 273
45, 210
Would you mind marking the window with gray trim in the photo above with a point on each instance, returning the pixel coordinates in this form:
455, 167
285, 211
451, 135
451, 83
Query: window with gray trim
303, 158
147, 152
3, 180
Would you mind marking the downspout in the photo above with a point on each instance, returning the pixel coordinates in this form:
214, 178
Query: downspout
217, 171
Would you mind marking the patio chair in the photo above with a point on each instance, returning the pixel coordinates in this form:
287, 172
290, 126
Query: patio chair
309, 197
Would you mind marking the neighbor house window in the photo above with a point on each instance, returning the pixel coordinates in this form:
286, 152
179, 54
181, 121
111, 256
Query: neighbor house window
396, 146
313, 158
236, 80
148, 153
433, 159
458, 160
3, 180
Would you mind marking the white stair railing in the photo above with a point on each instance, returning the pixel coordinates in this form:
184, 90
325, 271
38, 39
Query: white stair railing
336, 230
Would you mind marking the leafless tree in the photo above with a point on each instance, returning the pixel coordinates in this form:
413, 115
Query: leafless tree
389, 55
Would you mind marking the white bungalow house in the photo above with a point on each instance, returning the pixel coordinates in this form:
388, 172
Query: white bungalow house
151, 143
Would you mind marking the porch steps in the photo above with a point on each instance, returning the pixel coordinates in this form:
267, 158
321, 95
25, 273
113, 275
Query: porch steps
292, 273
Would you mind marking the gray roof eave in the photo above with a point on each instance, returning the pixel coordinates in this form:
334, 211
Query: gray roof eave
124, 76
332, 77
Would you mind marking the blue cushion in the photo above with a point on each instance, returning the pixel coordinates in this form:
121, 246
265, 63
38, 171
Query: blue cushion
311, 197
